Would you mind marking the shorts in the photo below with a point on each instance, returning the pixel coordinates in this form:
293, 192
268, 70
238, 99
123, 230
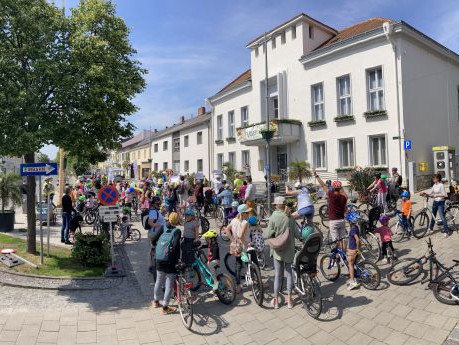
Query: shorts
306, 212
337, 229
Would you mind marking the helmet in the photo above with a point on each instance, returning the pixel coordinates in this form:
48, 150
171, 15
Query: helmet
405, 194
82, 198
234, 204
394, 169
252, 220
210, 234
298, 185
336, 184
384, 177
155, 200
384, 219
352, 217
306, 232
189, 212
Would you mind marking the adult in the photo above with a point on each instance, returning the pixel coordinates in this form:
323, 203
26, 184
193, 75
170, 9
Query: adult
439, 194
394, 185
242, 190
379, 185
67, 209
226, 197
305, 205
239, 234
156, 222
237, 183
250, 193
279, 222
217, 184
48, 189
337, 200
166, 269
145, 199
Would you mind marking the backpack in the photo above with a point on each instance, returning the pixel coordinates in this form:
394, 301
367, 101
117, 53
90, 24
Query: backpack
164, 245
144, 216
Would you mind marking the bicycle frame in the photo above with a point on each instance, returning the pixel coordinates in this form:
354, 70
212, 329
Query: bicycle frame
343, 257
204, 270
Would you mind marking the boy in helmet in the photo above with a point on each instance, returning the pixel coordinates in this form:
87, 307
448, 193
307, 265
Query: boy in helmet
353, 246
407, 207
213, 255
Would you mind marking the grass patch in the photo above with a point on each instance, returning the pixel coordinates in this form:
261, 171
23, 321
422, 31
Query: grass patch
59, 264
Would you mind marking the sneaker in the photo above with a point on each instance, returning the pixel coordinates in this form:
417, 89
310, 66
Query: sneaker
353, 285
275, 303
446, 234
62, 241
155, 304
168, 310
430, 232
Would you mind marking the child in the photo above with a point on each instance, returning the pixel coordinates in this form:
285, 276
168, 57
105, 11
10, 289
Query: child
256, 235
386, 236
213, 257
406, 211
353, 246
233, 213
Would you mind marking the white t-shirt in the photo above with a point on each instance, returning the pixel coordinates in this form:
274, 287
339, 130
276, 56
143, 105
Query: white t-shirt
439, 189
236, 229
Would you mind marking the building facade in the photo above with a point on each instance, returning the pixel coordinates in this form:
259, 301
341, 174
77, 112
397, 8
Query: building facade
338, 99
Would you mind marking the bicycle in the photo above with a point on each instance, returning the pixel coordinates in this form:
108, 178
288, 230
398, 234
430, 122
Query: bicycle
421, 221
252, 275
182, 295
370, 245
219, 215
205, 225
366, 272
123, 232
407, 270
370, 200
200, 274
399, 231
315, 226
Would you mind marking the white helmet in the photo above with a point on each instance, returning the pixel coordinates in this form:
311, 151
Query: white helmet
297, 185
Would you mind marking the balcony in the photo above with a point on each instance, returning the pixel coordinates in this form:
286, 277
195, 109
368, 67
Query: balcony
286, 131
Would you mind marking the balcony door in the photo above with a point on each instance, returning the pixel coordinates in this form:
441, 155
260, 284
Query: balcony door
282, 162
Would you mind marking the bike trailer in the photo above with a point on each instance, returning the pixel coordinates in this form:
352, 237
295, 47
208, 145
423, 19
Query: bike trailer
306, 259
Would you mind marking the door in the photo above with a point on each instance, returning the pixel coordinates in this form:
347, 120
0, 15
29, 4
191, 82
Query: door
282, 162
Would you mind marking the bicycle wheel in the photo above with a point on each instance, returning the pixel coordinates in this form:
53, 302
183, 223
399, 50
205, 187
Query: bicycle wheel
194, 277
312, 298
324, 222
89, 218
365, 207
256, 284
261, 260
226, 292
370, 247
397, 232
323, 212
135, 235
421, 224
330, 267
404, 271
183, 298
223, 234
230, 264
452, 215
219, 217
205, 225
442, 291
369, 274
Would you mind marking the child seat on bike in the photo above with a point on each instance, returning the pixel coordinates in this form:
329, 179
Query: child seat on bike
306, 258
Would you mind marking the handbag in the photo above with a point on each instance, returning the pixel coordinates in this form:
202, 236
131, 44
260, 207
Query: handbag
280, 241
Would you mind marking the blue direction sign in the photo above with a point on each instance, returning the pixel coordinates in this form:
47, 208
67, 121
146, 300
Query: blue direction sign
407, 144
39, 169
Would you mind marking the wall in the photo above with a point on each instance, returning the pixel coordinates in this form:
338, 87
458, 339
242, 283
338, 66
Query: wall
161, 156
194, 152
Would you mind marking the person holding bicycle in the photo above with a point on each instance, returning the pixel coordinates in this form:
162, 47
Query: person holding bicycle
305, 204
439, 194
379, 184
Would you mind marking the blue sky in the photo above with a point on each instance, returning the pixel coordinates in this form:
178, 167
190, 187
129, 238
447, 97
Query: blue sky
192, 48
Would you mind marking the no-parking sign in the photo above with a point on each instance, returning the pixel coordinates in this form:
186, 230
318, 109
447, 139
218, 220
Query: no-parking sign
108, 195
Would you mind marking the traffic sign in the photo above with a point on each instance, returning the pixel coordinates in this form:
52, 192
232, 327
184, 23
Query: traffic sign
109, 214
108, 195
407, 144
266, 167
39, 169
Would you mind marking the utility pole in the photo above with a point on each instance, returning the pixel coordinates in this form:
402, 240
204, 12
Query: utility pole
61, 177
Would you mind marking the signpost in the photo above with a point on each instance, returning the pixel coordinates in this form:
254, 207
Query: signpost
40, 169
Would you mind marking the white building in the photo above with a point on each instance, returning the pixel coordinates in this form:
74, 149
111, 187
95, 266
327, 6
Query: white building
183, 147
339, 98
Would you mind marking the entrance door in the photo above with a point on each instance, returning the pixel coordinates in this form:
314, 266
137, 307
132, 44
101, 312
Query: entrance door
282, 162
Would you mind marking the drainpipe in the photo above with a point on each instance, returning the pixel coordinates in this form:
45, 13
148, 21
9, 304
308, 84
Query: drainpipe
388, 31
210, 136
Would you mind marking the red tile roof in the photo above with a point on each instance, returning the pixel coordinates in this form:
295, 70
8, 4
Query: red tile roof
240, 79
356, 29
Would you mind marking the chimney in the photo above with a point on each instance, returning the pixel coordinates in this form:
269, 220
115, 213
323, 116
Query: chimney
201, 111
182, 119
156, 131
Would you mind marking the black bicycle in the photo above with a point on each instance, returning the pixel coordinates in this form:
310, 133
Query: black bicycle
440, 278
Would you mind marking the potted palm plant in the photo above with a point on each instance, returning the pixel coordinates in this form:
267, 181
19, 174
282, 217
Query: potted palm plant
299, 170
10, 195
359, 180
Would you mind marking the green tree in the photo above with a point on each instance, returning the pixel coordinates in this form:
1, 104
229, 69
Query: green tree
42, 158
67, 81
10, 192
299, 170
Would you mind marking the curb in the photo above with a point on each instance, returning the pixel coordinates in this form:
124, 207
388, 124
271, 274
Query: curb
453, 338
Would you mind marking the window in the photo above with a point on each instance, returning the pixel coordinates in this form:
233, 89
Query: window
199, 165
378, 150
176, 166
273, 42
293, 29
220, 161
156, 167
346, 153
165, 166
199, 138
165, 145
319, 155
177, 145
220, 127
185, 141
344, 95
232, 159
245, 158
375, 89
156, 148
245, 115
283, 38
231, 129
311, 32
275, 102
186, 166
318, 102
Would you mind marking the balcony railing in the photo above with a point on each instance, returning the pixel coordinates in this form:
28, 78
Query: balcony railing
285, 131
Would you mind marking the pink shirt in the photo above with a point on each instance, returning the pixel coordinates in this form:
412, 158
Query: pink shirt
385, 233
382, 188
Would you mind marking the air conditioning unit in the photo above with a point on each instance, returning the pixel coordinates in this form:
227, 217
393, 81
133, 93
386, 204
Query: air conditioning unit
444, 162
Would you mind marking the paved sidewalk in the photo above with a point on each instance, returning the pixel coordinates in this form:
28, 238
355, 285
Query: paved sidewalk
389, 315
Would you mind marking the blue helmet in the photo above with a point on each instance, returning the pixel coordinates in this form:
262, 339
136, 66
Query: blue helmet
252, 220
405, 194
189, 212
352, 217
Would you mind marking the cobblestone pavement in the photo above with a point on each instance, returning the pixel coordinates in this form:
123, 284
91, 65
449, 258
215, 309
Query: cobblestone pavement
389, 315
